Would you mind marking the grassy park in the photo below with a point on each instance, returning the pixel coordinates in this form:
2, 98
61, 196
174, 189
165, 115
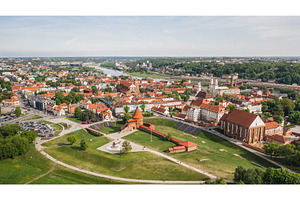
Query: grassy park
143, 138
116, 127
137, 165
33, 117
218, 156
34, 168
155, 76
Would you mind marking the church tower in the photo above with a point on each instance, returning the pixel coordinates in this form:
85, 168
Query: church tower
199, 87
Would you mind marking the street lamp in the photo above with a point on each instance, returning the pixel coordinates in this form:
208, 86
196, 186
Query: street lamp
151, 131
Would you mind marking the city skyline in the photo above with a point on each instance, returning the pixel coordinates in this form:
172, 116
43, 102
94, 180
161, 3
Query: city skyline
149, 36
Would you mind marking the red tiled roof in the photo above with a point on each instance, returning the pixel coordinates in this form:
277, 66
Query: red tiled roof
178, 147
137, 114
271, 125
241, 117
203, 95
187, 144
198, 102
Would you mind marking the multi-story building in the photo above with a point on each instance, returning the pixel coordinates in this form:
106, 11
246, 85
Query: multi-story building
40, 102
244, 126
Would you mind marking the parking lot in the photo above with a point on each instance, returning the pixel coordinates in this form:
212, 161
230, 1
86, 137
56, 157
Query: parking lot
43, 130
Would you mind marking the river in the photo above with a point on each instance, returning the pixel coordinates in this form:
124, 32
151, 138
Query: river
113, 72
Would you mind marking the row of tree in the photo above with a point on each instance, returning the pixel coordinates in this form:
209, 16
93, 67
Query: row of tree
278, 108
289, 153
86, 115
270, 176
14, 140
72, 97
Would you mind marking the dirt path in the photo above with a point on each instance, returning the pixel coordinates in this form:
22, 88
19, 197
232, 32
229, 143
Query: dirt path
42, 175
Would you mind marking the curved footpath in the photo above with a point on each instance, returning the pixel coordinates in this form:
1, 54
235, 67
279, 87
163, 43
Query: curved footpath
64, 132
113, 177
236, 142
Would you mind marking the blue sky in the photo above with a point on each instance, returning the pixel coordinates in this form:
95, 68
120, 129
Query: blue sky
149, 36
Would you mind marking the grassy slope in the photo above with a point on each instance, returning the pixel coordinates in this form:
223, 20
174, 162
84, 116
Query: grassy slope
221, 163
116, 127
138, 165
30, 166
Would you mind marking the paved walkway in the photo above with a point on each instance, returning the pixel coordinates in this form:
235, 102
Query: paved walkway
117, 138
236, 142
38, 147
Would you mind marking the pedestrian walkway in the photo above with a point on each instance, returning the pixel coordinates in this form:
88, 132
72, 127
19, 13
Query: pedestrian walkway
113, 177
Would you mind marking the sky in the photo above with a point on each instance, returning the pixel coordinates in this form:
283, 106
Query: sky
42, 36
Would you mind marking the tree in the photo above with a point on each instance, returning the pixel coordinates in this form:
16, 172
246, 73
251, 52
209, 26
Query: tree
143, 106
247, 110
280, 176
142, 90
83, 144
168, 138
77, 112
277, 118
220, 181
108, 89
239, 174
170, 109
271, 149
126, 147
126, 117
18, 111
230, 107
126, 109
72, 139
95, 89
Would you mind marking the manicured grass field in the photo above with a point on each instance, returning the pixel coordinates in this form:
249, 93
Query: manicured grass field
56, 127
33, 167
147, 75
116, 127
220, 153
137, 165
143, 138
33, 117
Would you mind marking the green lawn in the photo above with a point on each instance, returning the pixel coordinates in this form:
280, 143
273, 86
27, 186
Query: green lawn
56, 127
74, 120
116, 127
33, 117
220, 163
143, 138
155, 76
137, 165
34, 167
